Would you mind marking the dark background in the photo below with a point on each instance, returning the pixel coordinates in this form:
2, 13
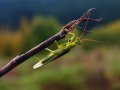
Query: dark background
11, 11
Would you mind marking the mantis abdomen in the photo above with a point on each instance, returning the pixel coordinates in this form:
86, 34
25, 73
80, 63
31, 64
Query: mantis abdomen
44, 61
52, 56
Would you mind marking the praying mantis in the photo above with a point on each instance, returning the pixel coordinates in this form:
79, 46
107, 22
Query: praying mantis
72, 41
61, 50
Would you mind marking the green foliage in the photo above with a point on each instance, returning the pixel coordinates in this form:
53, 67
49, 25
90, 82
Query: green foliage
63, 77
108, 34
83, 71
43, 28
30, 34
10, 44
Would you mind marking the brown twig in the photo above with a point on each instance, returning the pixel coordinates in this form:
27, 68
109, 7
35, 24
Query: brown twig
60, 35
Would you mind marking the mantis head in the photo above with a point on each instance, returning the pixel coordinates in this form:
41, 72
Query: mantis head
77, 41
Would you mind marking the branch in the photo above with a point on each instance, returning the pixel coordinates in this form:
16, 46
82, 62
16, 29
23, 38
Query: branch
60, 35
21, 58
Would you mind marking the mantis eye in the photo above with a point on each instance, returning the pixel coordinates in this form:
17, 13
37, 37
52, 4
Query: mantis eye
69, 40
78, 40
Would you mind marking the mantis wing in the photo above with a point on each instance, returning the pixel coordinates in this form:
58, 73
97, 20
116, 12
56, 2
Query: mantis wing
44, 61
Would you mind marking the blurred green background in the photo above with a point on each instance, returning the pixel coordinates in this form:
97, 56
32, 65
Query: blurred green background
91, 66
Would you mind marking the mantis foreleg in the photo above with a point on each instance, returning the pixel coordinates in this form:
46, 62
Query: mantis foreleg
72, 38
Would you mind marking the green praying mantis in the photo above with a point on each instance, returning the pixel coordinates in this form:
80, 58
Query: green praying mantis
62, 49
72, 41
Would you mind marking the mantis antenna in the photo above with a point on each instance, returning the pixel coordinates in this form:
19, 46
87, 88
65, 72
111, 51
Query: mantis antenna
84, 30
